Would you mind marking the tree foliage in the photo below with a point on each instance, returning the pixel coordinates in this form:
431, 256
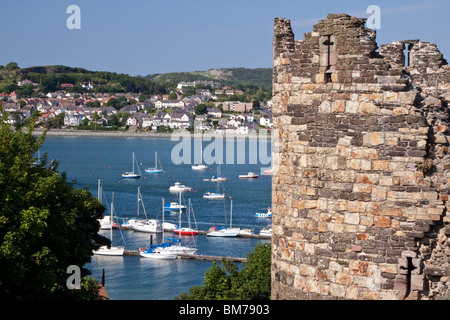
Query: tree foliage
46, 224
228, 283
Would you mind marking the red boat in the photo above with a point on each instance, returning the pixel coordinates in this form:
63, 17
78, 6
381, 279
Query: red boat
186, 231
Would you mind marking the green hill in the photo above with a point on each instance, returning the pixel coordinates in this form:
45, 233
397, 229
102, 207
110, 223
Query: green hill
50, 78
260, 77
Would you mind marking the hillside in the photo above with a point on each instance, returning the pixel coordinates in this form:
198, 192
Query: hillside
50, 78
261, 77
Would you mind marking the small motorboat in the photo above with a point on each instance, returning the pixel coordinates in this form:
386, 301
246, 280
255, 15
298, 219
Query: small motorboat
267, 214
178, 187
249, 175
173, 206
214, 195
199, 166
151, 225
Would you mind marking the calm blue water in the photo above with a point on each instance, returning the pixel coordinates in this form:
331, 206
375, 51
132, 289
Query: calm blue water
88, 159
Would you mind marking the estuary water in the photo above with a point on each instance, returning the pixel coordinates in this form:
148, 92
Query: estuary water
86, 160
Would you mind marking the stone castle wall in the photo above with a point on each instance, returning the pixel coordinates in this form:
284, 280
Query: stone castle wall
361, 175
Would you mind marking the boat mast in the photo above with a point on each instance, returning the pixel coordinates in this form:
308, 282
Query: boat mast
179, 218
112, 215
231, 213
138, 199
163, 220
99, 191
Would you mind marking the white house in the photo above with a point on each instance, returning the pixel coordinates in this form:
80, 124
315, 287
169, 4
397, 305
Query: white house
73, 119
214, 112
266, 121
137, 119
169, 104
147, 122
180, 120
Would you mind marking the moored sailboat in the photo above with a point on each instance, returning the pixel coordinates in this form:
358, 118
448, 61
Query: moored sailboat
223, 231
186, 230
158, 251
200, 166
106, 222
111, 250
156, 169
147, 225
132, 174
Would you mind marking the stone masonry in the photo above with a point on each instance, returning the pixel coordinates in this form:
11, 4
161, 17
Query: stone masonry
361, 172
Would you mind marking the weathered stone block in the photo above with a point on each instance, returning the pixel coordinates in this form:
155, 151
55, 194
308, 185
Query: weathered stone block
373, 139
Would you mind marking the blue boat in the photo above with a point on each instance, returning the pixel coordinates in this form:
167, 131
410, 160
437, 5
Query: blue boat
155, 169
267, 214
173, 206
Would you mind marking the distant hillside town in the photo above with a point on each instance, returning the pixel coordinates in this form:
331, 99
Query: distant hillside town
191, 105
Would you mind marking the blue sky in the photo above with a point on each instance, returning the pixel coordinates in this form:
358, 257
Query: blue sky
141, 37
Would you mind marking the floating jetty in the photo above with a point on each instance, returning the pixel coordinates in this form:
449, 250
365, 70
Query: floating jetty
193, 256
200, 233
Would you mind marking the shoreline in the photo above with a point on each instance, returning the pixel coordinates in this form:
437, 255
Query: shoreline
90, 133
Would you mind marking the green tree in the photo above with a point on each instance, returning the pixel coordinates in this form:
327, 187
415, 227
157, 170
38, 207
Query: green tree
228, 283
46, 224
12, 66
201, 108
172, 96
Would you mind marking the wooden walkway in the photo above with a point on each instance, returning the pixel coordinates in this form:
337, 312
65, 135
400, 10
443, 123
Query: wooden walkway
203, 233
193, 256
205, 257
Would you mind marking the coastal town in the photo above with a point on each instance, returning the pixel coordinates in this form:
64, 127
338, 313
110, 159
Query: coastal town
206, 109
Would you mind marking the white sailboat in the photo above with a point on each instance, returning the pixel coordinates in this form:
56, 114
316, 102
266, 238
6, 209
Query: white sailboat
157, 251
129, 223
200, 166
230, 231
224, 232
218, 176
177, 247
147, 225
155, 169
132, 174
216, 194
106, 222
112, 250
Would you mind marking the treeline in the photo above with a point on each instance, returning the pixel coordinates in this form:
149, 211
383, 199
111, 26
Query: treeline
51, 78
260, 77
